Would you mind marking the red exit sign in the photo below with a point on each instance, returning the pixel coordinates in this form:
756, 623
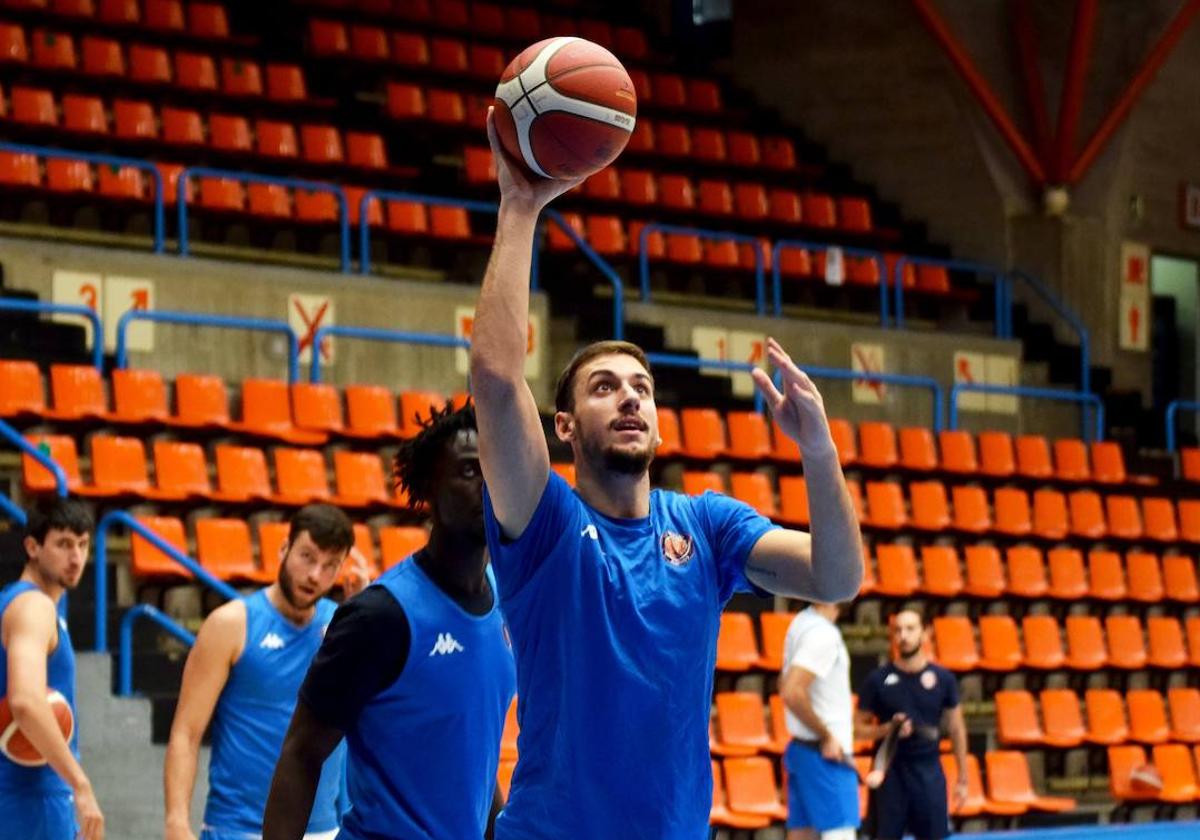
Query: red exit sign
1189, 205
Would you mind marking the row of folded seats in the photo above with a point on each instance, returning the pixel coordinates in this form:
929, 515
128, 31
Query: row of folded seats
198, 19
132, 120
1054, 717
224, 548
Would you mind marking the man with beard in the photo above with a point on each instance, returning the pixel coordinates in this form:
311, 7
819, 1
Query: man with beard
55, 800
913, 698
243, 674
614, 592
416, 672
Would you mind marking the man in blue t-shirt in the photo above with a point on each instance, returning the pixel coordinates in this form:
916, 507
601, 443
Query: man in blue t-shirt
915, 697
613, 592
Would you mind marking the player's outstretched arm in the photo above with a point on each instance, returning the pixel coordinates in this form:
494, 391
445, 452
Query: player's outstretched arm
795, 690
217, 647
29, 634
512, 446
826, 563
952, 719
297, 774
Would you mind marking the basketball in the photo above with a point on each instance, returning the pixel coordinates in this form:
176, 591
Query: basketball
13, 743
565, 107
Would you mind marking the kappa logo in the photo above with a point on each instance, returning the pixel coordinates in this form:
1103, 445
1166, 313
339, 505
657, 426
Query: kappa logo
891, 679
271, 641
591, 532
445, 644
677, 549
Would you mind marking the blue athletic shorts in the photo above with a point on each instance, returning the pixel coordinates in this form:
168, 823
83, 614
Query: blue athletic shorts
821, 794
37, 816
911, 800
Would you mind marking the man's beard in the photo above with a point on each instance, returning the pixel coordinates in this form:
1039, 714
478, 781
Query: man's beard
288, 587
911, 652
622, 461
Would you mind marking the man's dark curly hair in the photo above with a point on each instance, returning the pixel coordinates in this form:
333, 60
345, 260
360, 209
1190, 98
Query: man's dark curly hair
416, 459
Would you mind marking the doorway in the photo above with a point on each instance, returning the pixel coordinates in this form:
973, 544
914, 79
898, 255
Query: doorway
1175, 286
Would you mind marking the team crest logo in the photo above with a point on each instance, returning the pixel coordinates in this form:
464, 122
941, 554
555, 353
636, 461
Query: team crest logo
677, 549
928, 680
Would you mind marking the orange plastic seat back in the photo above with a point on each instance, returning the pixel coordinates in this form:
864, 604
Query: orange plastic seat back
737, 649
399, 541
1184, 705
20, 388
201, 400
1122, 761
741, 721
793, 500
119, 464
1189, 520
954, 640
1049, 514
1085, 643
897, 570
242, 472
1008, 777
749, 436
971, 510
843, 440
1042, 642
1071, 460
370, 410
1165, 646
146, 560
999, 645
1145, 578
750, 785
316, 406
1106, 720
1108, 464
877, 444
930, 510
1068, 580
1106, 576
774, 627
697, 483
77, 391
301, 475
180, 468
668, 433
958, 451
703, 433
61, 450
996, 456
359, 477
1033, 457
1026, 572
1013, 516
1124, 517
272, 541
985, 571
1087, 514
1147, 716
1179, 578
417, 407
266, 406
223, 548
1158, 518
138, 395
885, 501
1174, 765
941, 572
1126, 641
1062, 718
917, 449
755, 490
1017, 719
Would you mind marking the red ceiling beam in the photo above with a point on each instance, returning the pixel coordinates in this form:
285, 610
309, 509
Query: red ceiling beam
1025, 37
1071, 102
1120, 109
980, 88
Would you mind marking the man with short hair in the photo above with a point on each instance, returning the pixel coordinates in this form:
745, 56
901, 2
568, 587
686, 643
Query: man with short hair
416, 672
243, 674
912, 698
54, 801
815, 687
613, 592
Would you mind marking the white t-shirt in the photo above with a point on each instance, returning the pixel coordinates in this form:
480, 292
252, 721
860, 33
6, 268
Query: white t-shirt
815, 644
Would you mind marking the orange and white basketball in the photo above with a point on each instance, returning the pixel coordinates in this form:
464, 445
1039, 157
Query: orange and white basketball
13, 743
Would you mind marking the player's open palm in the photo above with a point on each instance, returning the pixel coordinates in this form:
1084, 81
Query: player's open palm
89, 816
517, 183
798, 407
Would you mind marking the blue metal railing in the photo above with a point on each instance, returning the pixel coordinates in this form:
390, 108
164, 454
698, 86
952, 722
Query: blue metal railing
998, 276
13, 511
65, 309
373, 334
16, 439
181, 201
900, 380
1172, 420
808, 245
755, 242
1073, 320
120, 517
201, 320
105, 160
1085, 401
605, 268
125, 658
680, 360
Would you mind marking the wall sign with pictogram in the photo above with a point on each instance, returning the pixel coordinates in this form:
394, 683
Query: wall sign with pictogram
110, 297
868, 358
305, 315
464, 322
1133, 313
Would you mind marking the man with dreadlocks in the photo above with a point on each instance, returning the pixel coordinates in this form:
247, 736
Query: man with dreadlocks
416, 672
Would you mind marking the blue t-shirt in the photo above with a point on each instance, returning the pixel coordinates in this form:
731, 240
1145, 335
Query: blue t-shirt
922, 696
614, 625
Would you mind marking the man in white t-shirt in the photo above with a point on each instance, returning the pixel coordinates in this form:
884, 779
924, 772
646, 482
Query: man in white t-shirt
815, 686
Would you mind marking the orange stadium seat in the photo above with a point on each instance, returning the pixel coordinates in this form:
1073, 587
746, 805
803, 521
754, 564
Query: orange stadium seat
721, 815
241, 474
743, 148
843, 440
207, 20
317, 407
68, 8
1147, 717
163, 14
33, 106
147, 561
971, 510
1068, 578
19, 169
703, 433
1106, 721
1179, 579
1085, 643
897, 570
139, 396
200, 401
671, 441
13, 47
266, 411
954, 639
1042, 643
102, 57
301, 476
1158, 518
696, 483
985, 572
1165, 646
272, 538
736, 647
996, 457
1192, 629
1144, 576
222, 194
930, 511
754, 488
709, 144
1126, 642
1033, 457
854, 214
774, 626
778, 152
61, 450
223, 548
1086, 514
274, 139
917, 449
149, 64
1106, 576
793, 500
1009, 783
1122, 761
1175, 766
999, 645
180, 470
285, 83
118, 466
1189, 520
1123, 516
783, 448
1049, 514
783, 205
877, 444
195, 71
269, 200
750, 784
1012, 512
53, 50
182, 126
1026, 572
399, 541
77, 393
320, 143
1071, 460
741, 723
1108, 464
359, 479
1062, 719
958, 451
1184, 705
119, 11
941, 572
1017, 721
125, 182
69, 175
885, 501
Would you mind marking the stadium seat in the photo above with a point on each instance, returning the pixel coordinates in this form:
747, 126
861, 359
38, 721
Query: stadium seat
1123, 516
843, 440
751, 788
200, 401
957, 451
783, 205
124, 12
1086, 514
13, 47
195, 71
19, 169
1189, 520
326, 37
180, 470
416, 408
316, 407
996, 457
783, 448
149, 64
449, 222
1158, 519
670, 438
741, 723
1012, 512
985, 572
1068, 578
125, 182
1122, 762
1184, 705
954, 640
147, 561
709, 144
1144, 576
743, 148
69, 175
971, 510
274, 139
1085, 643
976, 802
368, 43
1062, 720
1106, 721
269, 200
1106, 576
365, 149
1147, 717
1126, 642
1049, 514
703, 433
720, 814
272, 541
854, 214
714, 196
1175, 766
102, 57
877, 444
1033, 457
1042, 643
1026, 572
774, 627
697, 483
1108, 464
736, 647
222, 194
409, 217
703, 95
33, 106
139, 396
266, 411
118, 467
754, 488
182, 126
66, 8
1192, 629
165, 15
897, 570
397, 542
793, 501
778, 152
930, 511
285, 83
1009, 783
53, 50
359, 479
321, 144
885, 503
999, 646
1179, 579
240, 77
77, 393
917, 449
61, 450
818, 210
941, 572
1071, 460
448, 55
1165, 646
223, 548
1017, 721
301, 476
317, 207
241, 474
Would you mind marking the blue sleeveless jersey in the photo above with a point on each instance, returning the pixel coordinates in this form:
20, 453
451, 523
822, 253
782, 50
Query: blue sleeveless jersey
60, 675
252, 717
422, 755
614, 625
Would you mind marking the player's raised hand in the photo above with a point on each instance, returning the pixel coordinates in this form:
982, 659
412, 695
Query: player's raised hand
518, 184
358, 574
798, 408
